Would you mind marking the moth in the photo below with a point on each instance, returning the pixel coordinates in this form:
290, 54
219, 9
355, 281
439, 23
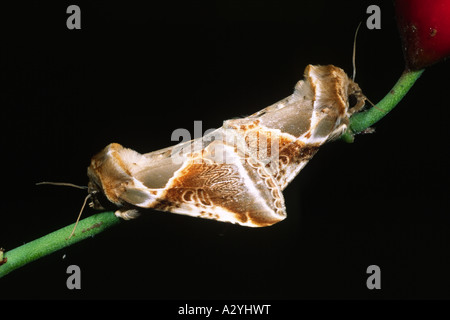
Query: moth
236, 173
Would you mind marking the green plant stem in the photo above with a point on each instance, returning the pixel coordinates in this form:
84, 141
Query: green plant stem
57, 240
363, 120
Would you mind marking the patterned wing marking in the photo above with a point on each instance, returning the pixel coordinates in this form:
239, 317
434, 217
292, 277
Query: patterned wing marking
232, 192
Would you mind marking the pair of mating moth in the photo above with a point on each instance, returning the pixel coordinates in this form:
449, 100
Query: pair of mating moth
236, 173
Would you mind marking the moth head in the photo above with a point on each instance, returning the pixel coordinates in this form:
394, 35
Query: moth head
332, 87
98, 188
95, 189
98, 198
355, 98
108, 177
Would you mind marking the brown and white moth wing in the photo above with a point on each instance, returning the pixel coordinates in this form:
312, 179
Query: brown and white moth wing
299, 124
314, 109
281, 154
218, 183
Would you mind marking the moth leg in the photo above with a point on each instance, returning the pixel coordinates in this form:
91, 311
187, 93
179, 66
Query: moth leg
127, 214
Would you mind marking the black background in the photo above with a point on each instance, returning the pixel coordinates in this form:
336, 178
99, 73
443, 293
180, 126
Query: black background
135, 73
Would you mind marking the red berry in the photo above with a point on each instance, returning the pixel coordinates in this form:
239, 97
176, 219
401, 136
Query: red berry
424, 27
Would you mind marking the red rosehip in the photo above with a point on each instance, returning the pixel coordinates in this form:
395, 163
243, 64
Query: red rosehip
424, 27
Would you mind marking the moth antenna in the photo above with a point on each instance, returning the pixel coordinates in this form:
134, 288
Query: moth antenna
373, 105
62, 184
354, 52
79, 215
